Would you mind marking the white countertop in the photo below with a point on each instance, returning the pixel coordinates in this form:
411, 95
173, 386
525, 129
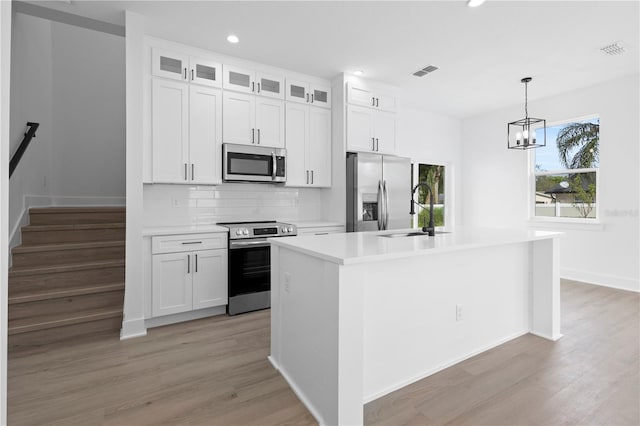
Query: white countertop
362, 247
185, 229
313, 223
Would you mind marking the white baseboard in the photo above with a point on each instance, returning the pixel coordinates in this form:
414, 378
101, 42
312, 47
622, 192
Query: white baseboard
620, 283
298, 391
133, 328
399, 385
185, 316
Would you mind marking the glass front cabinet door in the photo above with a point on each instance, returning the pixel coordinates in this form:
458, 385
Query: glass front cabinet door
239, 80
269, 85
205, 71
169, 64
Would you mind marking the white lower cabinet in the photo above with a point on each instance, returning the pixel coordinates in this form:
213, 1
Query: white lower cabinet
308, 142
189, 279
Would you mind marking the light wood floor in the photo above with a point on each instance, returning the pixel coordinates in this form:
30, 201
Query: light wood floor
215, 372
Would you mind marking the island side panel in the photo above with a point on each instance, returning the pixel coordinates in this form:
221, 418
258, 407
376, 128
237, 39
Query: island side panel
410, 324
304, 329
545, 289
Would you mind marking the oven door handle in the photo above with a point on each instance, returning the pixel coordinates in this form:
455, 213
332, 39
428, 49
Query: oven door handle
241, 244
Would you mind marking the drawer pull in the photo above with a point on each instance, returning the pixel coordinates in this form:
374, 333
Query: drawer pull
192, 242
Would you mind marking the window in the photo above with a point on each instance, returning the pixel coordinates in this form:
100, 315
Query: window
566, 172
434, 176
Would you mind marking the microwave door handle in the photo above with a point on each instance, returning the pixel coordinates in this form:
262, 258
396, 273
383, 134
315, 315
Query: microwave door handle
273, 166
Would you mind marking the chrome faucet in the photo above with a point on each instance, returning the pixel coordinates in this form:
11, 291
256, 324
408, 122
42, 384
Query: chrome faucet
431, 229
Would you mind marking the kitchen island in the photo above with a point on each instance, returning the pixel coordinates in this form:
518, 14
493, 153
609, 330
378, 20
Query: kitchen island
358, 315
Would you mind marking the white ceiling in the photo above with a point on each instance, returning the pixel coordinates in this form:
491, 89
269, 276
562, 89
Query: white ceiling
482, 53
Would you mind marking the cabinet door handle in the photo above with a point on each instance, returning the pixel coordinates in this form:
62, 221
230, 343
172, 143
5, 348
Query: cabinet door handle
253, 135
253, 86
311, 177
258, 136
258, 87
185, 73
192, 172
377, 102
196, 262
192, 242
307, 97
377, 145
185, 171
312, 98
188, 264
373, 101
373, 142
307, 176
192, 75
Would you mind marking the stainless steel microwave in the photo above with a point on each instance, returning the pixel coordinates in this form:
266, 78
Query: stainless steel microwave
247, 163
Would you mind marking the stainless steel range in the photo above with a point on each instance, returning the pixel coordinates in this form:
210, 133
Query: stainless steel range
250, 263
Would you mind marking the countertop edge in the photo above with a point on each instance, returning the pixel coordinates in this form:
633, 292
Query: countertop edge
405, 254
178, 230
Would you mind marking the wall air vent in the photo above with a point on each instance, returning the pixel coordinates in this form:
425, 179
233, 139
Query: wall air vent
613, 49
424, 71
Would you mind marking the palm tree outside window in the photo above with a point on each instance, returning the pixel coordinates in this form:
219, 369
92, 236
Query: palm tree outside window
566, 172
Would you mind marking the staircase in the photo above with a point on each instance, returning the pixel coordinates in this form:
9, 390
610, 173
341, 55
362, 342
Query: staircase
67, 277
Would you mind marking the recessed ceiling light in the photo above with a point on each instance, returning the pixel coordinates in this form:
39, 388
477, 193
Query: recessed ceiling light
474, 3
358, 73
233, 39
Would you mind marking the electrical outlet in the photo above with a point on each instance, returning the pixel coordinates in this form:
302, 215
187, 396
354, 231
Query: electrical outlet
458, 312
287, 282
175, 202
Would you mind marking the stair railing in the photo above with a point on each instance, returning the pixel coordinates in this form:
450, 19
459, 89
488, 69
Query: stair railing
30, 134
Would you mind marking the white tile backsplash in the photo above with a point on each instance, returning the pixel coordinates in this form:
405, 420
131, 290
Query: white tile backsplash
176, 205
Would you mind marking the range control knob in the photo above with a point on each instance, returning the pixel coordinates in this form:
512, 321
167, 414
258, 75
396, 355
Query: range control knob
284, 229
290, 229
245, 231
238, 231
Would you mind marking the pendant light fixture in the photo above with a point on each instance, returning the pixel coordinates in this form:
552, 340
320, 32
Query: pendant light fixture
529, 132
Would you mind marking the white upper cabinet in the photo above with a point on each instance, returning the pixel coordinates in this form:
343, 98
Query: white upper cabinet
205, 135
384, 130
205, 71
169, 64
319, 147
239, 79
308, 93
238, 118
170, 131
269, 122
308, 135
186, 133
369, 130
271, 86
251, 120
254, 82
365, 94
360, 129
179, 66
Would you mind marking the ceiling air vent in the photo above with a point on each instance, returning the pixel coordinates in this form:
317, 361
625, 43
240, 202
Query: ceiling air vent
424, 71
613, 49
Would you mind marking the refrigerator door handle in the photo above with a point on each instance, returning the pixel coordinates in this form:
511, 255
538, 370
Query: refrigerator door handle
385, 196
380, 207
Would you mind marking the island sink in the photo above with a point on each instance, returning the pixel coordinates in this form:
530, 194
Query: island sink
411, 234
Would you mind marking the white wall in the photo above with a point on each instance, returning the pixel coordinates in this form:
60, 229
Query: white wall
88, 112
31, 87
494, 175
432, 138
5, 86
71, 81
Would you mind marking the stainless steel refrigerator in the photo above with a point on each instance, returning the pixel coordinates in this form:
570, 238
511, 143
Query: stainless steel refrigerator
378, 192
